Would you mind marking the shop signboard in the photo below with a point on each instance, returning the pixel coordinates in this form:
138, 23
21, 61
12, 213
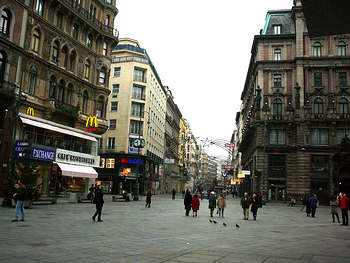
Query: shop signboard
133, 150
132, 161
241, 176
42, 154
77, 158
169, 161
20, 148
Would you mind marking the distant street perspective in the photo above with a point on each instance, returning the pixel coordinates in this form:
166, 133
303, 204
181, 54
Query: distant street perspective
174, 131
130, 232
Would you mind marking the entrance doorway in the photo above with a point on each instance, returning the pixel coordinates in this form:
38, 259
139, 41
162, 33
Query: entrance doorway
277, 192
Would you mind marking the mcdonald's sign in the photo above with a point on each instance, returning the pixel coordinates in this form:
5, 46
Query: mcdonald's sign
91, 123
30, 111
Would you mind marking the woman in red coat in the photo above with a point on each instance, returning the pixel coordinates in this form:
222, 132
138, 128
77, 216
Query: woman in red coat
343, 201
195, 205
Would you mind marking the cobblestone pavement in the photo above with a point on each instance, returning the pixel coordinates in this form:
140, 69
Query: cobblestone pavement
132, 233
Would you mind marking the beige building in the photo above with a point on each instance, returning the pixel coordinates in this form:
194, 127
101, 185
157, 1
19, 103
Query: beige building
136, 110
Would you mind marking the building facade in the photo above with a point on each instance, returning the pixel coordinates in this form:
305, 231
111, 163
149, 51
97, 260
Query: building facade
172, 178
295, 109
136, 110
55, 66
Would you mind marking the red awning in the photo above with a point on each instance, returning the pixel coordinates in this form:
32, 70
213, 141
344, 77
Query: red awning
77, 170
57, 129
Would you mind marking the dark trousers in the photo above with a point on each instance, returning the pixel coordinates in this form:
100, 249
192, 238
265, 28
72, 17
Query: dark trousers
188, 211
173, 197
333, 216
211, 212
345, 217
98, 212
313, 211
148, 204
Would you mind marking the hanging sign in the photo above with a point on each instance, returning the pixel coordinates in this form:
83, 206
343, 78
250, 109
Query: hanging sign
91, 123
30, 111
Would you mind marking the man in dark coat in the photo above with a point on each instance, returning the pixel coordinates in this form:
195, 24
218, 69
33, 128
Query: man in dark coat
98, 200
148, 199
313, 205
212, 203
173, 193
188, 202
20, 196
245, 203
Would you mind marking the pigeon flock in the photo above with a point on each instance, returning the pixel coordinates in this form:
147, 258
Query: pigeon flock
224, 224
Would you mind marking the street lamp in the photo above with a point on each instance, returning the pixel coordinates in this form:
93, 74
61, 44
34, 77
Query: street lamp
139, 144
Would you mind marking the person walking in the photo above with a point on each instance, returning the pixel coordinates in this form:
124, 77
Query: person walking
221, 205
98, 201
19, 196
188, 202
307, 206
195, 205
212, 203
245, 203
313, 204
255, 205
148, 199
173, 194
343, 202
90, 195
303, 201
202, 194
334, 204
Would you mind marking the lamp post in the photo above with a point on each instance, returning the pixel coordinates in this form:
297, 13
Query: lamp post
139, 144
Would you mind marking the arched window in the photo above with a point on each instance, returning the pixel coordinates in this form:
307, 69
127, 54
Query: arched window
343, 106
317, 49
5, 22
277, 54
52, 89
33, 72
61, 88
69, 94
277, 107
39, 7
36, 40
102, 76
107, 20
85, 101
87, 66
99, 110
2, 65
89, 41
318, 106
341, 48
55, 51
72, 60
64, 55
105, 48
75, 31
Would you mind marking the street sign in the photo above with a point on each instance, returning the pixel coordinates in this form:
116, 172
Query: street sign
224, 174
139, 143
229, 145
246, 172
169, 161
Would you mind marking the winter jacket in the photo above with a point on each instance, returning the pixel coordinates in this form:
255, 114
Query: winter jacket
343, 202
98, 200
221, 202
212, 201
188, 201
255, 205
245, 202
334, 204
21, 193
313, 202
195, 203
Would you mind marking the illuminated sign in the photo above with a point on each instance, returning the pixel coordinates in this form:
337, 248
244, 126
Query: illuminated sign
125, 172
30, 111
110, 163
42, 154
241, 176
91, 123
131, 161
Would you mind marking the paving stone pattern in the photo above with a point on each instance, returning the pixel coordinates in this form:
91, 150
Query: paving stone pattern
132, 233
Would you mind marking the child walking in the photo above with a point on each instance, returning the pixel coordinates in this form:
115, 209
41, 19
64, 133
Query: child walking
195, 205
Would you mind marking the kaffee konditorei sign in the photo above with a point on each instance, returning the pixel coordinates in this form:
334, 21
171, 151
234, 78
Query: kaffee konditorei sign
70, 157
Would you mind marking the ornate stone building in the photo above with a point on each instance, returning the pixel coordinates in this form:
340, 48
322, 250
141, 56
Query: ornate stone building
295, 109
55, 61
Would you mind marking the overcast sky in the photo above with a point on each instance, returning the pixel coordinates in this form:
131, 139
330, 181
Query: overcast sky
201, 50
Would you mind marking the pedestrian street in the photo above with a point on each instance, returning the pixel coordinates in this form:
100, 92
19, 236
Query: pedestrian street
132, 233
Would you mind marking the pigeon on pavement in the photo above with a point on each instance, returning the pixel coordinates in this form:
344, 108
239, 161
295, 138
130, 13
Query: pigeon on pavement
214, 221
237, 225
210, 221
224, 224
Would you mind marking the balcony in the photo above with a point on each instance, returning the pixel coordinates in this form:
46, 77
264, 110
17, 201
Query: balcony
79, 10
327, 116
7, 89
67, 108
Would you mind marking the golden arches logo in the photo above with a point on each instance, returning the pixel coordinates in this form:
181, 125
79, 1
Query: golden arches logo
30, 111
91, 121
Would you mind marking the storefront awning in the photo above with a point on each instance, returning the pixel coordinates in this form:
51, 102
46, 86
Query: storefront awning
57, 129
77, 170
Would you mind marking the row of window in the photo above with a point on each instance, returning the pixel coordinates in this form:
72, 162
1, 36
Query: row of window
318, 106
318, 136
